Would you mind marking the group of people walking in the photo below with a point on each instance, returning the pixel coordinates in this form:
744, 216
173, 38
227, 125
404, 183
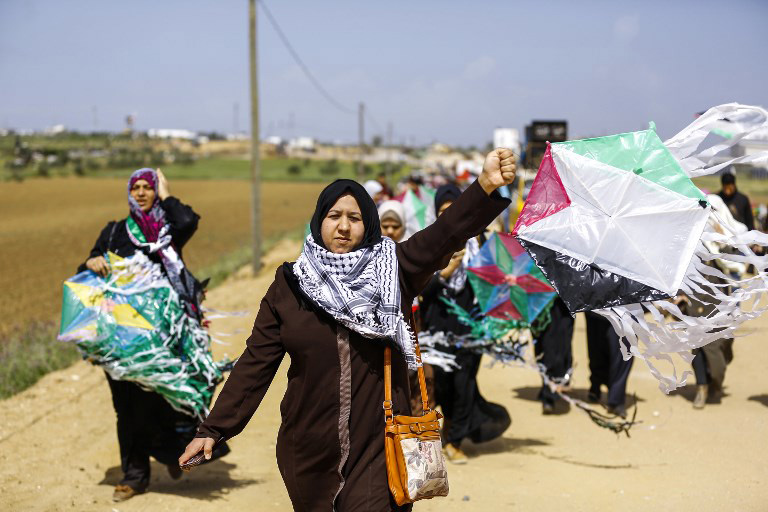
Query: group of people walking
360, 284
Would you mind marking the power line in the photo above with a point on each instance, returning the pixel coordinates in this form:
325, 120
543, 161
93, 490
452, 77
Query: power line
301, 64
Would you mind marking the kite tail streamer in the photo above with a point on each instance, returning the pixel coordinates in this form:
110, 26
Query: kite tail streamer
662, 333
733, 122
507, 341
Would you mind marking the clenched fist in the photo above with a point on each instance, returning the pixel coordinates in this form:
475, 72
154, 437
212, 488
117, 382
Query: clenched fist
499, 169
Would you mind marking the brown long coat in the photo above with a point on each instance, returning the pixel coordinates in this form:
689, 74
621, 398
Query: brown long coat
330, 447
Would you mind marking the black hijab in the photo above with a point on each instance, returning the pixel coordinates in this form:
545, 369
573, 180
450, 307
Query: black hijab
444, 194
370, 214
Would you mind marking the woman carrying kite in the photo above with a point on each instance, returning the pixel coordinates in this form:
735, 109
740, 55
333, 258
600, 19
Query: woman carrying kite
467, 414
159, 225
333, 311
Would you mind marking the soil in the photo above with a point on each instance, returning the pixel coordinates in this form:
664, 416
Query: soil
58, 447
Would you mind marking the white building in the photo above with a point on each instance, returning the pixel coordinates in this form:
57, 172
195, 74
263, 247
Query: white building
302, 143
171, 133
507, 138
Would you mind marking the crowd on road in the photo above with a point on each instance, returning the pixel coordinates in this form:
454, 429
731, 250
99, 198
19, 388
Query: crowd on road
379, 267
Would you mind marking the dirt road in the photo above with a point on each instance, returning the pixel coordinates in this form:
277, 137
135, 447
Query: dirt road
58, 447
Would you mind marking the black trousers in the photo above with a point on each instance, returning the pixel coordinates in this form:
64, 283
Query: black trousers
147, 426
606, 364
553, 347
467, 413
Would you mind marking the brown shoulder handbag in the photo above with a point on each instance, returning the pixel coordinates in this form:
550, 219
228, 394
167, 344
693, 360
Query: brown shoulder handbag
415, 462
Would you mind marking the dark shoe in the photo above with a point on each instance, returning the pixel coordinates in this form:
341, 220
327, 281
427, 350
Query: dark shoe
593, 396
714, 395
174, 471
701, 397
124, 492
618, 410
547, 408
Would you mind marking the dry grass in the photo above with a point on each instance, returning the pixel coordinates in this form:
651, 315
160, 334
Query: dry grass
47, 228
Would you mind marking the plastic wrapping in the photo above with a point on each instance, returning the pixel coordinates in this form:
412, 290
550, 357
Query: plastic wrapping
133, 324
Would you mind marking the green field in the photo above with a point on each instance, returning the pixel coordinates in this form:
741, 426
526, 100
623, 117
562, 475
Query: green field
116, 156
272, 169
756, 190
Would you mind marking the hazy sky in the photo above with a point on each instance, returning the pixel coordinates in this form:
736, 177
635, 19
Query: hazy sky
449, 71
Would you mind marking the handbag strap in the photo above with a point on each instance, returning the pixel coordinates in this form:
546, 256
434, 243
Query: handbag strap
387, 405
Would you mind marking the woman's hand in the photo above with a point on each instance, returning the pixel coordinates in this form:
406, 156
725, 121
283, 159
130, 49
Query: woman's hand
453, 264
193, 448
99, 265
162, 185
499, 169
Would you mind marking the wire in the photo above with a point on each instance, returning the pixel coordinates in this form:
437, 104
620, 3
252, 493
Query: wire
301, 64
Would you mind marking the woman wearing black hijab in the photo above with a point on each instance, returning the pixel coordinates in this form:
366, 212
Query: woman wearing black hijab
467, 413
333, 311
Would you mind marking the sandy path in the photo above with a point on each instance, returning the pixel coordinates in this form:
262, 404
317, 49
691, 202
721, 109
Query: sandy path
58, 447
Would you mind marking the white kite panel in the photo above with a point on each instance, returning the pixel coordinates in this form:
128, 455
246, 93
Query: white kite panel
622, 222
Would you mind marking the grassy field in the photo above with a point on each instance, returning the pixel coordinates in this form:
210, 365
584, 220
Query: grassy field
47, 228
756, 190
272, 169
231, 168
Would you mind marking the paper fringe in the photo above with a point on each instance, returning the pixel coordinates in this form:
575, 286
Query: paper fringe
507, 341
660, 333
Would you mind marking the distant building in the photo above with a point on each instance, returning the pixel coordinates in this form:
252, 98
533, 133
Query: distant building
507, 138
171, 133
55, 129
302, 143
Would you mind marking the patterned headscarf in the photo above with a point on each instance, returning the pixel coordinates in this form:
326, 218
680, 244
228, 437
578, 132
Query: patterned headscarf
157, 236
150, 222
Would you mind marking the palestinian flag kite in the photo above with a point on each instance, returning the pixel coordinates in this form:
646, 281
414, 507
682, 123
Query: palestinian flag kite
419, 209
612, 220
617, 226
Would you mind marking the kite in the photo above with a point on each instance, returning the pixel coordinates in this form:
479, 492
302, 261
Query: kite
419, 209
617, 226
133, 324
506, 282
513, 303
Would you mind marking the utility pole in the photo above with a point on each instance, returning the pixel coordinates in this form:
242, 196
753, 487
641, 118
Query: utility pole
255, 162
390, 150
361, 139
236, 118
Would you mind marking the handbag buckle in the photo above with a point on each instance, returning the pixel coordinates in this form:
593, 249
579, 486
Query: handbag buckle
387, 406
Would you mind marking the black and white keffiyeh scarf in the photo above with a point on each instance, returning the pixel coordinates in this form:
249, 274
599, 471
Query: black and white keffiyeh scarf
359, 289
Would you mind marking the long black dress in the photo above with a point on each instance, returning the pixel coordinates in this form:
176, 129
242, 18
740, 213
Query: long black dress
146, 424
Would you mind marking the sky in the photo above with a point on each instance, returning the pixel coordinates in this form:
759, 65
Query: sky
448, 71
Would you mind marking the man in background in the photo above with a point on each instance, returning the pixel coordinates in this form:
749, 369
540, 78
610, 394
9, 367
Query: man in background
736, 202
